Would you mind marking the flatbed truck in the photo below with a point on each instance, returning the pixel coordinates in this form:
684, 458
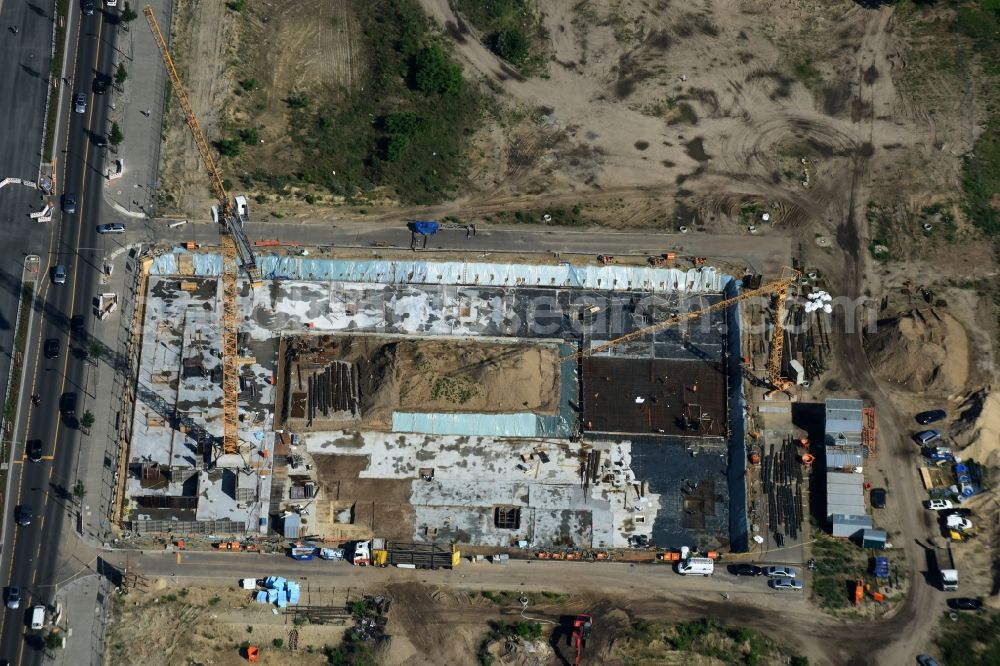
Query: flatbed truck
384, 553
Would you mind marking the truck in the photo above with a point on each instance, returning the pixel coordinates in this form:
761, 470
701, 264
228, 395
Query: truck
697, 566
947, 577
384, 553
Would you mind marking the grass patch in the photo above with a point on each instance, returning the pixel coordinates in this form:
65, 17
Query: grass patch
513, 30
649, 642
62, 12
558, 216
838, 564
804, 71
973, 639
509, 598
405, 129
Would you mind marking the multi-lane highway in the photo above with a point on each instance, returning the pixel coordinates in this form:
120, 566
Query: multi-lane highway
31, 557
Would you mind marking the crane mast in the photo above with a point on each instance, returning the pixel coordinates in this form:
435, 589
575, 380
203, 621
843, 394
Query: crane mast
236, 251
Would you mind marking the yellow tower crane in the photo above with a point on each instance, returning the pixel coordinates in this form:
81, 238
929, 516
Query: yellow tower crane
235, 244
778, 287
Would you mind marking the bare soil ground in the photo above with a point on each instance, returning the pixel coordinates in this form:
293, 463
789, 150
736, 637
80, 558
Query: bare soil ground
164, 625
373, 377
359, 508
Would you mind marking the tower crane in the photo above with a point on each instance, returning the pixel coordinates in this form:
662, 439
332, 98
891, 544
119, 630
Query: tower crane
778, 287
235, 246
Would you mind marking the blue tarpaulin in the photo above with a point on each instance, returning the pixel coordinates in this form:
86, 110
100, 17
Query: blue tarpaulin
424, 227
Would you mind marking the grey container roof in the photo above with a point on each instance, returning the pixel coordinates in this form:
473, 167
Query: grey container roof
844, 416
843, 457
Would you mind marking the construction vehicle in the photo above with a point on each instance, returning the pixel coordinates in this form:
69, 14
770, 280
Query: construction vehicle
947, 577
778, 287
582, 624
383, 553
665, 260
235, 246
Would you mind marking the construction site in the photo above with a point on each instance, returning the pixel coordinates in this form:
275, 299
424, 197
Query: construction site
585, 405
442, 402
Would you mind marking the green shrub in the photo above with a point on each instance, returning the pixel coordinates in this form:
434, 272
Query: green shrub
512, 45
435, 73
228, 147
249, 136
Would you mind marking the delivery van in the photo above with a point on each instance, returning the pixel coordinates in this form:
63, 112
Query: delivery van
696, 566
38, 617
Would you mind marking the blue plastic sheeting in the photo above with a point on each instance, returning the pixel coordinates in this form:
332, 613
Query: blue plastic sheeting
262, 597
611, 278
425, 227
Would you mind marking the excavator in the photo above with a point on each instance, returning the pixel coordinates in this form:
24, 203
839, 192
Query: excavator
582, 624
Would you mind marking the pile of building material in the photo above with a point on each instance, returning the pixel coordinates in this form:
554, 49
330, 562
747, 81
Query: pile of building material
278, 591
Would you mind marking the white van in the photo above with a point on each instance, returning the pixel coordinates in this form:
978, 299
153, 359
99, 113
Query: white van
696, 566
38, 617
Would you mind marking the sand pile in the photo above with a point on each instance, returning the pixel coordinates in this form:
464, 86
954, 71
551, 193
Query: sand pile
977, 431
923, 349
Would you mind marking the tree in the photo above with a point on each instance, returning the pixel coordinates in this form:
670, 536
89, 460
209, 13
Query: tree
401, 127
433, 72
512, 45
96, 351
87, 420
120, 75
128, 14
115, 137
79, 490
228, 147
53, 640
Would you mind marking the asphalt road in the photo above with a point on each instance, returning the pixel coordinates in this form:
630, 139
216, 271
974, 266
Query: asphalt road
32, 558
26, 60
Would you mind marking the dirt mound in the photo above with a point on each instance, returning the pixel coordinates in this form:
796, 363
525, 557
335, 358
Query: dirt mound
337, 382
516, 651
976, 433
922, 349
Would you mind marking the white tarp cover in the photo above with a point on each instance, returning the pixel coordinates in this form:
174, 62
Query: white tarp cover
613, 278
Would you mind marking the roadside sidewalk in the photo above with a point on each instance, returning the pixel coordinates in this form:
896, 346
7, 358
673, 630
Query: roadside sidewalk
138, 109
84, 606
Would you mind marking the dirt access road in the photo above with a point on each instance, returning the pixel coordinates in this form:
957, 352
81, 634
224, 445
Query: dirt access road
643, 591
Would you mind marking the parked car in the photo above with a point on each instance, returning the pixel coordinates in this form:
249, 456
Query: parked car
35, 450
13, 597
76, 324
80, 103
100, 84
24, 515
745, 569
939, 504
113, 228
958, 523
52, 348
88, 7
101, 141
926, 660
67, 404
69, 203
59, 274
965, 603
925, 437
878, 496
780, 571
925, 418
785, 583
